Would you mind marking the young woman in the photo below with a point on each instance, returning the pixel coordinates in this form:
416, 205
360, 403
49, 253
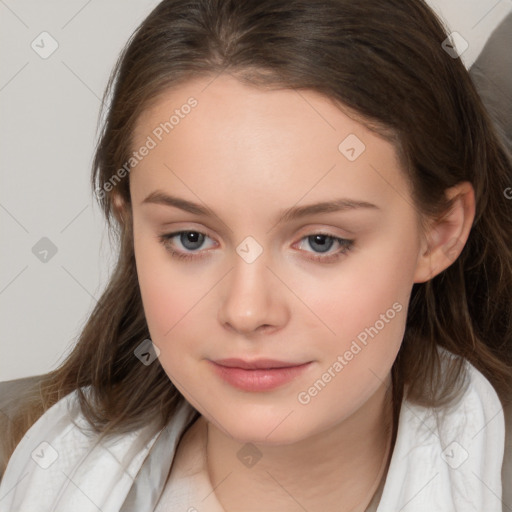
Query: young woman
311, 306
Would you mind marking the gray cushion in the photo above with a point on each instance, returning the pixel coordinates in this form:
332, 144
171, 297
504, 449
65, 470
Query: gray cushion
492, 76
11, 393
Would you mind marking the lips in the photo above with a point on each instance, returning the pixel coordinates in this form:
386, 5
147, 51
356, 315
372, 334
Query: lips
258, 375
258, 364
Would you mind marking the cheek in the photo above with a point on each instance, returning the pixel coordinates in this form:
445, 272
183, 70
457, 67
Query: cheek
367, 310
364, 304
175, 297
355, 293
166, 293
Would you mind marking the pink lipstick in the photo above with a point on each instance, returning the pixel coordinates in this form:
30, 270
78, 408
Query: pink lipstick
258, 375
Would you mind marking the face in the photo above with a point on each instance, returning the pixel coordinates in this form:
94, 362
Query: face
329, 287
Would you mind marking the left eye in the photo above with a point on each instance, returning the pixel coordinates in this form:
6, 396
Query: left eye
193, 240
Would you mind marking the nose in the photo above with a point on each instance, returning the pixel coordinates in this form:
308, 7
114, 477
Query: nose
253, 299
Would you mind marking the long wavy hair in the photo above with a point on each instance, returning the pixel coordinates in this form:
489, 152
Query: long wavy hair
382, 61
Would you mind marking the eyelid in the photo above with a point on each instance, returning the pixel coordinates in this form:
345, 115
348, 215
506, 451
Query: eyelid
310, 229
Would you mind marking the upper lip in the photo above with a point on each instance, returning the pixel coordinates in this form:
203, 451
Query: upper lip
256, 364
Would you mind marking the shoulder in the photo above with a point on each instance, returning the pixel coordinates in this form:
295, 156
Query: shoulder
61, 464
454, 454
46, 456
507, 462
478, 403
473, 424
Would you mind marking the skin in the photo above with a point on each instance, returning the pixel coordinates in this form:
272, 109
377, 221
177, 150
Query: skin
246, 154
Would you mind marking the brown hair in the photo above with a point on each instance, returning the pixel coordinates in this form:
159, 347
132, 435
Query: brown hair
381, 60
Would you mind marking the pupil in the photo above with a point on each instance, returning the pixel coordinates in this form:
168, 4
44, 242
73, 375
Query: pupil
322, 242
190, 239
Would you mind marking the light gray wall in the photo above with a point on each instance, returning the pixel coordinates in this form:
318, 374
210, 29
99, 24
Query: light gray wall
49, 107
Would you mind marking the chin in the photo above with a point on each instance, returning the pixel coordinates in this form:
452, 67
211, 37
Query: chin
279, 429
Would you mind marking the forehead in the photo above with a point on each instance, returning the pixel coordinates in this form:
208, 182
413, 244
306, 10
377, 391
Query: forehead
238, 139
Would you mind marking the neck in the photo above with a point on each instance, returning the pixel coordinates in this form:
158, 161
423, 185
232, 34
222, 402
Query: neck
338, 469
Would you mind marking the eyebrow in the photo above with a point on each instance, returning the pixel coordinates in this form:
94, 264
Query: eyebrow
287, 215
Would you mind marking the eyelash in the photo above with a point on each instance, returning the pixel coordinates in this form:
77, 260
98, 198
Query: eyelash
346, 244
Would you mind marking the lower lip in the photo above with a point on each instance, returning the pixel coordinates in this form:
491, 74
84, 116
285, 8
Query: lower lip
258, 380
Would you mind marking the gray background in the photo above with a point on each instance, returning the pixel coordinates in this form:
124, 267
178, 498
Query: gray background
49, 114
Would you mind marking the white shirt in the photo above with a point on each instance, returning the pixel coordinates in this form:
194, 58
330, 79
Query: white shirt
445, 463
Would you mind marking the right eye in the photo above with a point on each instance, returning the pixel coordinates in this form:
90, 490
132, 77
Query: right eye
191, 240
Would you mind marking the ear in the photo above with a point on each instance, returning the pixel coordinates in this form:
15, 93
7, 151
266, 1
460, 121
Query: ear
120, 209
445, 237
